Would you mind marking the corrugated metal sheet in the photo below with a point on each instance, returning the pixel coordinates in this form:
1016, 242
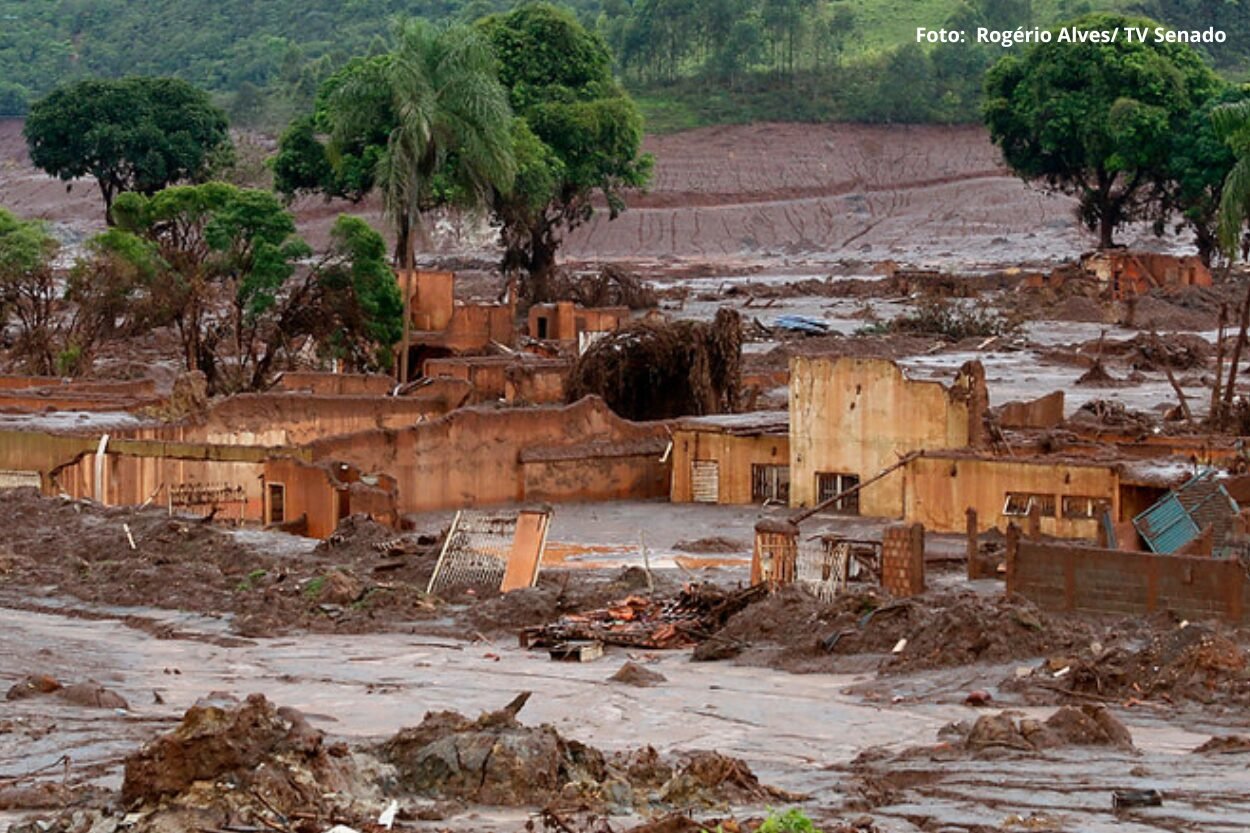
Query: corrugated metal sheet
1166, 526
1179, 517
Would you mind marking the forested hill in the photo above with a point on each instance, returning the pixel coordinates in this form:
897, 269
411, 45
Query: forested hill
688, 61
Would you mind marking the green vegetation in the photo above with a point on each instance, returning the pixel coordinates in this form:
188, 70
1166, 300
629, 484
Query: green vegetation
136, 134
1107, 122
688, 61
314, 587
793, 820
1231, 123
196, 243
576, 136
952, 320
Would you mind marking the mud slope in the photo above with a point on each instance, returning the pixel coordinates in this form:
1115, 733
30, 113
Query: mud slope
871, 192
918, 194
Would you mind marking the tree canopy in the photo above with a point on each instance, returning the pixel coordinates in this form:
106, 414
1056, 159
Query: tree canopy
1096, 120
236, 283
135, 134
578, 134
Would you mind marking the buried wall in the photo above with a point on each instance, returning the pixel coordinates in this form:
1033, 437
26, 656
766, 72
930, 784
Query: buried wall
321, 495
486, 456
939, 489
1061, 577
280, 419
856, 416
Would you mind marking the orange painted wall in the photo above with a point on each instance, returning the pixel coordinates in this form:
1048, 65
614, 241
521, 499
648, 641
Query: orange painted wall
474, 456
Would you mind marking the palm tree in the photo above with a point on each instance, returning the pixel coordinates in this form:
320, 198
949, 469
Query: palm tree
1232, 124
449, 138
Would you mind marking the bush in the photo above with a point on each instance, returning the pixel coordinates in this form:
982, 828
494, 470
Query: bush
941, 317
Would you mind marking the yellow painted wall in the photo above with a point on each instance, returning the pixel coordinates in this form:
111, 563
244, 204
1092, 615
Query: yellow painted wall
735, 456
939, 490
857, 416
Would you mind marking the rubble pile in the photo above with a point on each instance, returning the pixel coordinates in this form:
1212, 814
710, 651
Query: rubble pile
611, 286
696, 613
1194, 663
1110, 415
89, 694
1087, 725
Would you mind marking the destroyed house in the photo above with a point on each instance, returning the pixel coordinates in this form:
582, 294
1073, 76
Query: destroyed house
1126, 273
570, 322
514, 378
443, 326
732, 458
851, 418
305, 461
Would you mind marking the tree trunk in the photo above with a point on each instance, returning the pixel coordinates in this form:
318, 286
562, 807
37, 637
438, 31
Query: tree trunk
405, 257
1232, 370
1106, 228
542, 266
1206, 243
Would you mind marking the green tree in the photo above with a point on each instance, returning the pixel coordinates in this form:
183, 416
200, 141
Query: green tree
426, 124
28, 292
1232, 125
580, 137
136, 134
244, 292
1095, 119
1198, 164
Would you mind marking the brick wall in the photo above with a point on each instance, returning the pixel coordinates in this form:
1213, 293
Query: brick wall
1059, 577
902, 560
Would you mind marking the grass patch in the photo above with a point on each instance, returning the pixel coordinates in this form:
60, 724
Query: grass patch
315, 587
249, 582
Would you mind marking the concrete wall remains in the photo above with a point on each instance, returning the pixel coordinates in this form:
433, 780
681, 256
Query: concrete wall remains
1063, 577
479, 457
939, 489
858, 416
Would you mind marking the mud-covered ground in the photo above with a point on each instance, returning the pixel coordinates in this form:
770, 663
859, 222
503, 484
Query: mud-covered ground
862, 711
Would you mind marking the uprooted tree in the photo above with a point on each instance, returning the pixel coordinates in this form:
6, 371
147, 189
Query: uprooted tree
659, 370
244, 293
577, 136
1097, 120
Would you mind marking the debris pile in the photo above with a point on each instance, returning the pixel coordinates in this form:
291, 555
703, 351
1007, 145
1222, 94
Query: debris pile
496, 760
631, 673
89, 694
84, 550
1192, 663
611, 286
794, 631
658, 370
1087, 725
697, 612
231, 764
1113, 416
716, 544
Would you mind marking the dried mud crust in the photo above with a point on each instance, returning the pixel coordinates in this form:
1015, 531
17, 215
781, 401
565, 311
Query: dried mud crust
80, 549
793, 631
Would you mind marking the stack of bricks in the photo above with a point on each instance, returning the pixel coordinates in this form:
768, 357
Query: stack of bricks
902, 560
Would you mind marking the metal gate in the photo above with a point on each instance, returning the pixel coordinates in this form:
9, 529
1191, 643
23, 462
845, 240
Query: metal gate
705, 481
